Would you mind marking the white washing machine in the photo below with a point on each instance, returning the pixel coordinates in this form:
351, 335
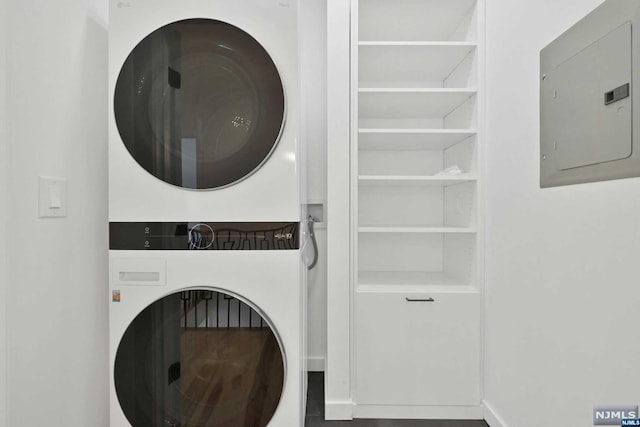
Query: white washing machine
207, 338
207, 283
205, 111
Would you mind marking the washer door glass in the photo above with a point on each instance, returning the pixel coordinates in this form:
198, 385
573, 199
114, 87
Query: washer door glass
199, 358
199, 104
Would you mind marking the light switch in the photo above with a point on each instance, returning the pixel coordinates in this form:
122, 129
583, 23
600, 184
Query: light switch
52, 197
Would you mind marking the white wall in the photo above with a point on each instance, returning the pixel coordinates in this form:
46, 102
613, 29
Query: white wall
563, 277
313, 60
57, 292
3, 219
313, 27
338, 404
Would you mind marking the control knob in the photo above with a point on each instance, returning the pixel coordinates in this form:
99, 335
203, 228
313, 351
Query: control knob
201, 236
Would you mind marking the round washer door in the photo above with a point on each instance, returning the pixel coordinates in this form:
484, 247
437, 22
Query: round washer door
199, 358
199, 104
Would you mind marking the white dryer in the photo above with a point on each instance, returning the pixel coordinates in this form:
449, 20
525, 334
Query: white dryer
207, 284
204, 119
207, 338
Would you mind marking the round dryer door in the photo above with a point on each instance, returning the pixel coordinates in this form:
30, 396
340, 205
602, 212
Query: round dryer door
199, 358
199, 104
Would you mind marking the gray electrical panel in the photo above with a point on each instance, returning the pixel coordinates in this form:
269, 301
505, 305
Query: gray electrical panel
587, 78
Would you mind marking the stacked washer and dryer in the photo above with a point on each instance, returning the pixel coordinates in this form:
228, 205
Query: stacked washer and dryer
207, 277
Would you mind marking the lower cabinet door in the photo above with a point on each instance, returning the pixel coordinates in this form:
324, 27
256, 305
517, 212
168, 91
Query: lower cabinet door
418, 348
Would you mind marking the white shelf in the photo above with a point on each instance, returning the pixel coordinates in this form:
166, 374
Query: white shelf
408, 281
429, 63
438, 181
446, 44
399, 88
435, 132
415, 229
413, 104
402, 123
411, 139
406, 86
416, 20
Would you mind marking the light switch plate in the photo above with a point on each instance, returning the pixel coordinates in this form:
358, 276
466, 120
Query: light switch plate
52, 197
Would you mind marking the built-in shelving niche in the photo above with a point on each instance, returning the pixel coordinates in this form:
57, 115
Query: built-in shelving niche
415, 203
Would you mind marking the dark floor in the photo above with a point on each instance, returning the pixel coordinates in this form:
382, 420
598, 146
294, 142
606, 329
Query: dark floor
315, 413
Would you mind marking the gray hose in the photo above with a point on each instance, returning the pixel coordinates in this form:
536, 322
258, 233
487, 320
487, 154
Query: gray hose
310, 223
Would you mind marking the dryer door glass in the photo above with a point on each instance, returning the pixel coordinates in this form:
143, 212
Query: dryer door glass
199, 358
199, 104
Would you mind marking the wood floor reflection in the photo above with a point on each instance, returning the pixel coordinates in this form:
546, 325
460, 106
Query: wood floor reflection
230, 377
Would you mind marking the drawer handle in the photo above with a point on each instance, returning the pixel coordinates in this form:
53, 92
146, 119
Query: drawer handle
420, 300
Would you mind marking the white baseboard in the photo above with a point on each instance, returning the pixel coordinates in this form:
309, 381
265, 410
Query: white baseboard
338, 410
315, 364
418, 412
491, 417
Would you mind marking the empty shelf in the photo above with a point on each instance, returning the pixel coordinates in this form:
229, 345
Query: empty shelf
411, 139
413, 229
433, 63
428, 103
442, 181
416, 20
396, 279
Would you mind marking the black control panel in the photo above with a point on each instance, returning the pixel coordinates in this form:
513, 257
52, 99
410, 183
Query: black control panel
215, 236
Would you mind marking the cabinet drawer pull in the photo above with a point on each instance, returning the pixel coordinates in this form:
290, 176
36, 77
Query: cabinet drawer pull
420, 300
